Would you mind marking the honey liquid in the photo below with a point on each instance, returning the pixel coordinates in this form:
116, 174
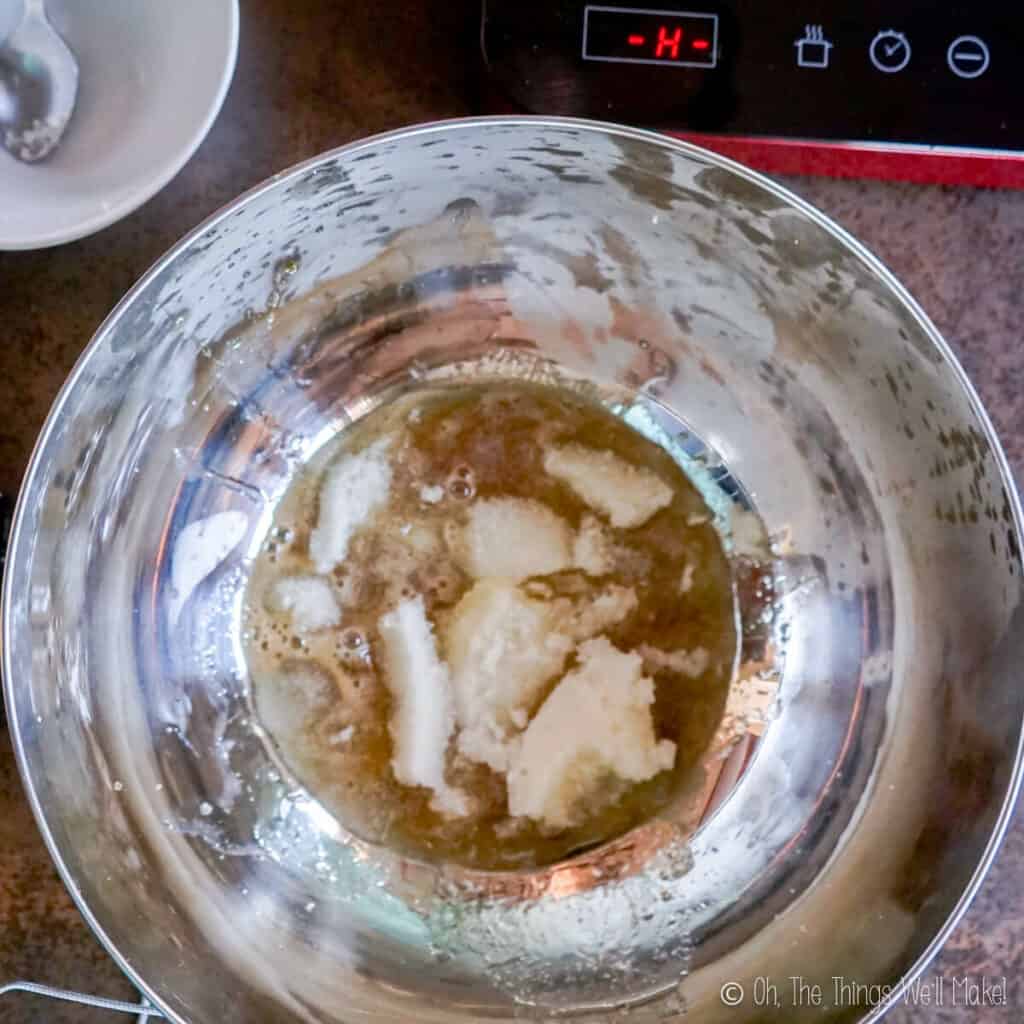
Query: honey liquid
465, 442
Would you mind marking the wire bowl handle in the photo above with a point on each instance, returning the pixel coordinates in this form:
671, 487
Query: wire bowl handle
142, 1011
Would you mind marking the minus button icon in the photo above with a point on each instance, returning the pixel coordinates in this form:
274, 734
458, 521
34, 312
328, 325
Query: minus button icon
968, 57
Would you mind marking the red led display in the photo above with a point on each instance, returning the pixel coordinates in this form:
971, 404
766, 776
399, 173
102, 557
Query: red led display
668, 45
631, 36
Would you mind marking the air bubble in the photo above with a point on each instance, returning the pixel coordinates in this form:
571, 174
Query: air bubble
205, 809
353, 640
461, 489
118, 785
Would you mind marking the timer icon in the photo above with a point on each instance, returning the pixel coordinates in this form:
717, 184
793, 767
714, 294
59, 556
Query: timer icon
890, 51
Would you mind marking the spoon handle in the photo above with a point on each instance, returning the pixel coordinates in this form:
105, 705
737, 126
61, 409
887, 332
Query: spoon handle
35, 8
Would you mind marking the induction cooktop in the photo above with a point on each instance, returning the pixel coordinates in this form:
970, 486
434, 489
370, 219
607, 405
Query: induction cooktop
899, 89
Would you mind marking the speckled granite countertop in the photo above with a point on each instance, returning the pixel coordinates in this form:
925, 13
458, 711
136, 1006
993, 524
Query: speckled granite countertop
310, 78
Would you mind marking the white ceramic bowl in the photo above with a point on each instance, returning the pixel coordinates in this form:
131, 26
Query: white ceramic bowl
153, 77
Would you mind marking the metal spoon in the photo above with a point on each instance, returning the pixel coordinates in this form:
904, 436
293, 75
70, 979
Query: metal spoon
38, 86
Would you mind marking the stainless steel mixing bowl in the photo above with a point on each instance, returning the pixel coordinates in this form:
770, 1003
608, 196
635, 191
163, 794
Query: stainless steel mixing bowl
748, 324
